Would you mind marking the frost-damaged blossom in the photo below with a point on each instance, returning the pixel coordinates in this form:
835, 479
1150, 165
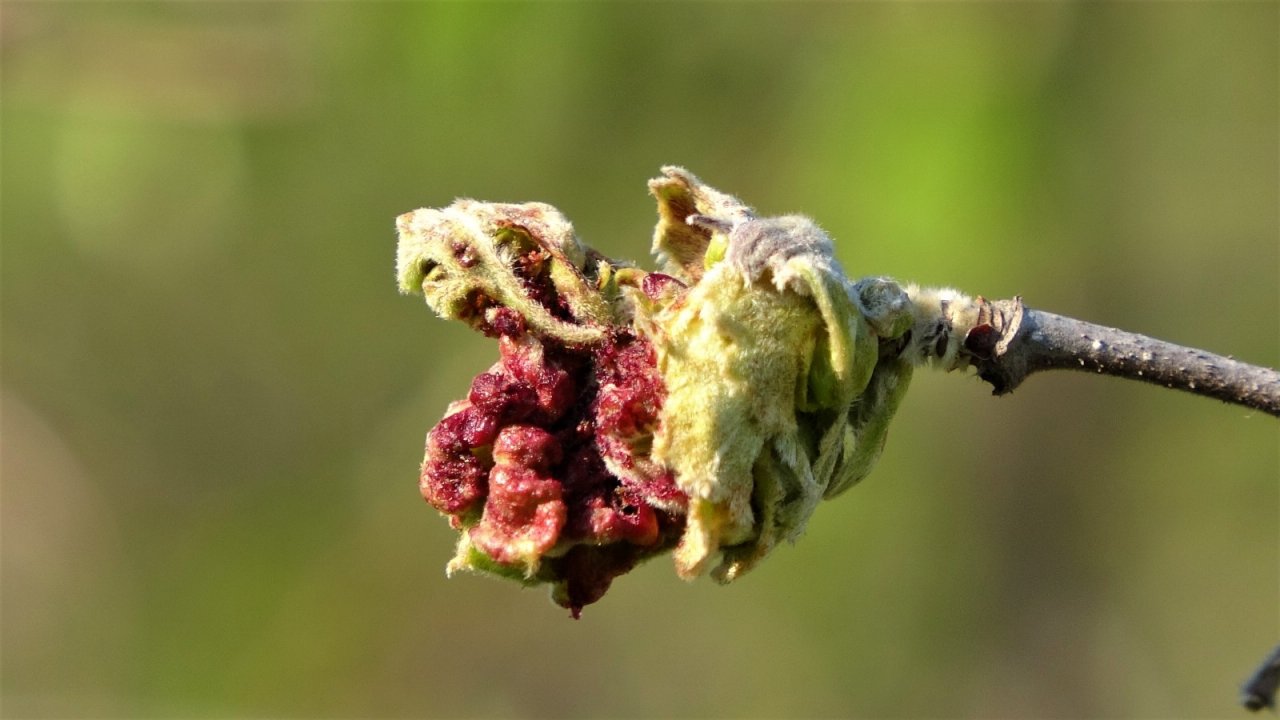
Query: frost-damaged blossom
704, 409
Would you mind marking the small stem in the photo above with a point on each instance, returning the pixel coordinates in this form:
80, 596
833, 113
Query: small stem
1010, 341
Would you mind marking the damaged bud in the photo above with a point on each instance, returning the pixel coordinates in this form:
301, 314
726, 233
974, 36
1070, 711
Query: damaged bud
703, 410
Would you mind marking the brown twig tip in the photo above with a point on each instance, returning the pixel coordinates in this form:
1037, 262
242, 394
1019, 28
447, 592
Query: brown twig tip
1009, 341
1259, 690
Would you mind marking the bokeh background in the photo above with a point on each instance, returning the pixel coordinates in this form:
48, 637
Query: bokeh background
214, 400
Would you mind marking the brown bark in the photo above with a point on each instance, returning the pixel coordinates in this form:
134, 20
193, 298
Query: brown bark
1011, 341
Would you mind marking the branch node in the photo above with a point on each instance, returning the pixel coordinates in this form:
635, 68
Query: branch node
988, 342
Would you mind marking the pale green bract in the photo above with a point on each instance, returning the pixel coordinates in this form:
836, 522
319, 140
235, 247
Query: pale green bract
777, 395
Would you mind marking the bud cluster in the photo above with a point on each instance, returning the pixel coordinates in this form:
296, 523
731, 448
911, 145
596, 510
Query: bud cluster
703, 410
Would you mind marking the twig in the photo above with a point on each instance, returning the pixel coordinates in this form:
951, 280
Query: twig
1259, 690
1010, 341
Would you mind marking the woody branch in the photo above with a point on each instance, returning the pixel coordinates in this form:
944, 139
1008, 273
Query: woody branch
1010, 341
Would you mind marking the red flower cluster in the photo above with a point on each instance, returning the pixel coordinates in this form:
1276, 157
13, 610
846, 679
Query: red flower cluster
543, 464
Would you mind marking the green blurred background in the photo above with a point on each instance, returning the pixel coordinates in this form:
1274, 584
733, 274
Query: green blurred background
214, 400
